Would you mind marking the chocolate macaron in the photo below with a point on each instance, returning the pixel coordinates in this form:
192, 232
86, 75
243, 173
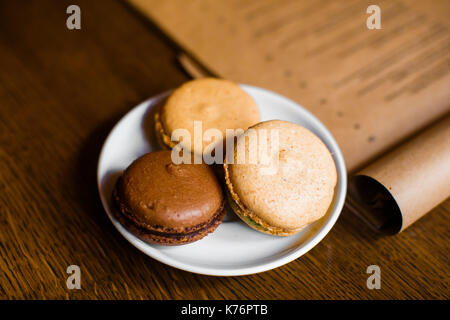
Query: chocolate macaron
294, 188
168, 204
211, 103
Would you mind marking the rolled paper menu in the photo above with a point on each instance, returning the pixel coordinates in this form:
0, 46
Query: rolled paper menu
405, 184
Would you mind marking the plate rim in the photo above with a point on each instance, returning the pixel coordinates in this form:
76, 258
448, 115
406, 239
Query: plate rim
318, 236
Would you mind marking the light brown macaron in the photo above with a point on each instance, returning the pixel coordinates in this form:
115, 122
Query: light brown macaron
216, 103
294, 188
164, 203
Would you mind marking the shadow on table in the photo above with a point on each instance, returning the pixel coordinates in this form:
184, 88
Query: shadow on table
85, 176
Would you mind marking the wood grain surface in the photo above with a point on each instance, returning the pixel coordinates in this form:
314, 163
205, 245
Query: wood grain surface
61, 92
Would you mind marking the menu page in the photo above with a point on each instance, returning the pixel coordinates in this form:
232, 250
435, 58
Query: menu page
371, 87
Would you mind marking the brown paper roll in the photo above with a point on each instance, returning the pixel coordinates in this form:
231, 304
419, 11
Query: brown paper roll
402, 186
371, 88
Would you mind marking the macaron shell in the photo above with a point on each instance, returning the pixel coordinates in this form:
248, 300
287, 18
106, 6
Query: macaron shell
149, 237
159, 195
217, 103
300, 191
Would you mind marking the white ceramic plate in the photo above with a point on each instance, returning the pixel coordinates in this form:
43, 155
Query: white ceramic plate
234, 248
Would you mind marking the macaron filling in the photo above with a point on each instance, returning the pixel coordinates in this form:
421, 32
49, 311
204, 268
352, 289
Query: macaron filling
246, 219
187, 235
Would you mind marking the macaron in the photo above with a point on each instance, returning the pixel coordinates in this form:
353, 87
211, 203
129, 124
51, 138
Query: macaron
213, 103
168, 204
294, 188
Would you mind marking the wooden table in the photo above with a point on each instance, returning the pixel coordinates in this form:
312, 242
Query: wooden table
61, 92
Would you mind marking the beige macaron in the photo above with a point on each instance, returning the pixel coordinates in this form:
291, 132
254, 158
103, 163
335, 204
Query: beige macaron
292, 188
210, 103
